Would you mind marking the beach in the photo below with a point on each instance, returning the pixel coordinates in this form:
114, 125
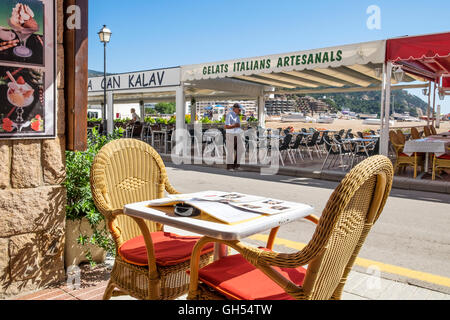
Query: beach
355, 125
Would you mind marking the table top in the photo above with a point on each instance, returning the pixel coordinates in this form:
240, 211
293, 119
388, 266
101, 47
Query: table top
359, 140
433, 144
216, 230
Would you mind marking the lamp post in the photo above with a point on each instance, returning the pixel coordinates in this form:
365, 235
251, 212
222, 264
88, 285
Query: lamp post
105, 36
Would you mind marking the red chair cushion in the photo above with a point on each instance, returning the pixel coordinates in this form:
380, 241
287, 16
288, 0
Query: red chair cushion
405, 155
236, 278
170, 249
444, 157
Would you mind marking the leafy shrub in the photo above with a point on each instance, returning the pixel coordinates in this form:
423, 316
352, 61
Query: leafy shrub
79, 198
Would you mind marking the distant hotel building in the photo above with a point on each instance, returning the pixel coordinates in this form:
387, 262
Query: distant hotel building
250, 107
276, 107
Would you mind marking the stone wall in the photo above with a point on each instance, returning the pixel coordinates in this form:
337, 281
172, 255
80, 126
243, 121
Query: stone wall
32, 202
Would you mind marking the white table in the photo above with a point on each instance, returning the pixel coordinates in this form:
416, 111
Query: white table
215, 230
434, 144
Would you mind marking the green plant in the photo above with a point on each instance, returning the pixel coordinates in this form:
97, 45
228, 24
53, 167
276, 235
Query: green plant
205, 120
252, 119
172, 120
150, 120
161, 121
79, 198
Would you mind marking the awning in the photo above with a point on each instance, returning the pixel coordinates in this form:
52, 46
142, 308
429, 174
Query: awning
425, 56
355, 65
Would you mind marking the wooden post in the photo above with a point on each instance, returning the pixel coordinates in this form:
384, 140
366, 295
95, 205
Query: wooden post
76, 75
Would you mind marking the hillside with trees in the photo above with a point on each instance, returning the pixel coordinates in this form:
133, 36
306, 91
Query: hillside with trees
369, 102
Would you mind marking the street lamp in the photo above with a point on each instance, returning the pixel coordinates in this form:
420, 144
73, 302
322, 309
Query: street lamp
399, 74
105, 36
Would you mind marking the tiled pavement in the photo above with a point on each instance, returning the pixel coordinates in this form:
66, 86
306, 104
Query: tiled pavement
360, 286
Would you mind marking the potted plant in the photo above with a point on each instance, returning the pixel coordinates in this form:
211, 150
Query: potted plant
87, 239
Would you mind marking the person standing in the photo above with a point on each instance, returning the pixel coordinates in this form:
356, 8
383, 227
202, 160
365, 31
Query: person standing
234, 139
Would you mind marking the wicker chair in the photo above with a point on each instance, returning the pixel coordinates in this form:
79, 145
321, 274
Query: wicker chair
415, 133
402, 159
427, 131
127, 171
401, 136
439, 163
433, 130
257, 273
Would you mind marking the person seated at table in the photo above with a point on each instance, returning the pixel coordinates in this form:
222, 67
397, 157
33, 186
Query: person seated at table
135, 119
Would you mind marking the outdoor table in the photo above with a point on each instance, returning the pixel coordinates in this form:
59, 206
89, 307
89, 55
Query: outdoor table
437, 145
445, 134
217, 230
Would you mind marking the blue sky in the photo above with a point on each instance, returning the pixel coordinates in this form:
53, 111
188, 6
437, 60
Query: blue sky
151, 34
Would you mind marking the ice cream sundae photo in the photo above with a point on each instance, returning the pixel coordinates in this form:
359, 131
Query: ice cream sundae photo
20, 106
20, 93
24, 25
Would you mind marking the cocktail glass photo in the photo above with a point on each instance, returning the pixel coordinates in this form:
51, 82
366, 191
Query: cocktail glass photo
24, 25
23, 34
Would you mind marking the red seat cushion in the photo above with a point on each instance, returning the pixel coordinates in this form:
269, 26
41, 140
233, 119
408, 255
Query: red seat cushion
170, 249
236, 278
444, 157
405, 155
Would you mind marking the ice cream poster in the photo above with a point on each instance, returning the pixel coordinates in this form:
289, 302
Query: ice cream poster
21, 100
22, 31
27, 69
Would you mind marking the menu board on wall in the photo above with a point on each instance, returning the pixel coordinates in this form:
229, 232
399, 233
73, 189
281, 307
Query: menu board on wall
27, 69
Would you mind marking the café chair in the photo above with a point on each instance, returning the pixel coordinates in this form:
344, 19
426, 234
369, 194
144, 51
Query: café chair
433, 130
427, 131
263, 274
150, 264
402, 160
401, 136
439, 163
415, 133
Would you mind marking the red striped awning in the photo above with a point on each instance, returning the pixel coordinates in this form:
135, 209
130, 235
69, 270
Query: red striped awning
426, 56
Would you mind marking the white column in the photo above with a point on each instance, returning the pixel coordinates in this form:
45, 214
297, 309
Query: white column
384, 143
180, 107
142, 110
429, 104
261, 111
110, 111
193, 112
434, 104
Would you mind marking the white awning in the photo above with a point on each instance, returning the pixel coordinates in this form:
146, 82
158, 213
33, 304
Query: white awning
347, 65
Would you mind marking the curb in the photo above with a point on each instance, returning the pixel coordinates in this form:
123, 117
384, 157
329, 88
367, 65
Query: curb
337, 176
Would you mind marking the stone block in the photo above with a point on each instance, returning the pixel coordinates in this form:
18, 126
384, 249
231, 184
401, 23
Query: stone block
24, 257
5, 164
4, 262
53, 161
32, 210
51, 247
26, 169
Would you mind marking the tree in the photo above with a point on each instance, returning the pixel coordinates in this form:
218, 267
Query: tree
166, 108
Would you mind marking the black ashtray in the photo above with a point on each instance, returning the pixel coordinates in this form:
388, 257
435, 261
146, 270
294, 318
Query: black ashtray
184, 210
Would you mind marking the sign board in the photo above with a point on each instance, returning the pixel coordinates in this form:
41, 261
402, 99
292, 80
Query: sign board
27, 69
136, 80
362, 53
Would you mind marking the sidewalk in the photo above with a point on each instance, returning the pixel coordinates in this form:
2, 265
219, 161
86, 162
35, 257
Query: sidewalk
360, 286
313, 171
